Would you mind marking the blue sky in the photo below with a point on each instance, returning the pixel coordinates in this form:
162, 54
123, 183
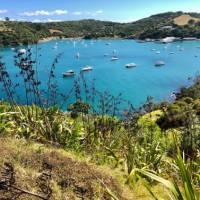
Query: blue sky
112, 10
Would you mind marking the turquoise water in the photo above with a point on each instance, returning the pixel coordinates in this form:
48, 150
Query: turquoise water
136, 84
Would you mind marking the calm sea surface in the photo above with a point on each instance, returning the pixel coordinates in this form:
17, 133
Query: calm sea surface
136, 84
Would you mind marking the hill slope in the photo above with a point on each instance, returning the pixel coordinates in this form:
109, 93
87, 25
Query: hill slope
70, 178
176, 24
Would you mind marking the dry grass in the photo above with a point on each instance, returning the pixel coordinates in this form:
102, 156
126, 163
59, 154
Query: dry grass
72, 178
184, 19
54, 31
3, 28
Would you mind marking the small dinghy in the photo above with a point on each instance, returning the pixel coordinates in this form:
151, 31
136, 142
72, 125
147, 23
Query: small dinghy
69, 73
86, 68
130, 65
173, 95
55, 47
181, 49
159, 63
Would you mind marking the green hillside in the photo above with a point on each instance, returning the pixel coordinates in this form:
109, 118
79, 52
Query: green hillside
156, 26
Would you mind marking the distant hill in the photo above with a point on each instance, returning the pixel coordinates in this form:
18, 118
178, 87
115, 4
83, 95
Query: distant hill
176, 24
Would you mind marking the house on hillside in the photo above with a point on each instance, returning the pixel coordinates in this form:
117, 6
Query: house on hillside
166, 27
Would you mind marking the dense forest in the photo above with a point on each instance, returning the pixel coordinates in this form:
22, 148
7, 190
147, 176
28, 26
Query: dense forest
155, 27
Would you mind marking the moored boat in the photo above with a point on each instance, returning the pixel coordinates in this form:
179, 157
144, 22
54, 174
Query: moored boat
78, 55
22, 51
69, 73
130, 65
114, 58
55, 47
86, 68
159, 63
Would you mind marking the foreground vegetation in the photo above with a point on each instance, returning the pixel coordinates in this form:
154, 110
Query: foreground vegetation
152, 143
155, 27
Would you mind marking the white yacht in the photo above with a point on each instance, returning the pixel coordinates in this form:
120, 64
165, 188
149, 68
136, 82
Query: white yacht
130, 65
86, 68
69, 73
159, 63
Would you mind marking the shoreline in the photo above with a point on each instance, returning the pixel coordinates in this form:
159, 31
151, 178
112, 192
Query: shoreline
165, 40
162, 40
47, 39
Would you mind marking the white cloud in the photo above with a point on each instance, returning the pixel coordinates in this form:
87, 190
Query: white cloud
45, 20
36, 13
44, 13
99, 12
13, 19
77, 13
95, 13
3, 11
59, 12
52, 20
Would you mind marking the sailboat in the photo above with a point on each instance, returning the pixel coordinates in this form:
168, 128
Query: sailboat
78, 55
114, 57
